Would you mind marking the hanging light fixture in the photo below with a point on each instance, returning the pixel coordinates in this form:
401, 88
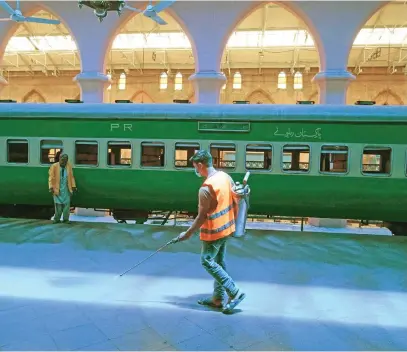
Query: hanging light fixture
101, 8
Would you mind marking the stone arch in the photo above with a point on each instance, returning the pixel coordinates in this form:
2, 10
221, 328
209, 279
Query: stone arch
314, 96
291, 7
142, 97
259, 95
191, 98
126, 16
33, 96
384, 95
365, 19
7, 29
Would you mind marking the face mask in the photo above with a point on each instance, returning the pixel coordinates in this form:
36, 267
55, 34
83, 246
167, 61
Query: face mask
197, 173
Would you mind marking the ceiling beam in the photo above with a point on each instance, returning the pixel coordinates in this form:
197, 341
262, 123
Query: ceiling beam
48, 57
263, 30
362, 58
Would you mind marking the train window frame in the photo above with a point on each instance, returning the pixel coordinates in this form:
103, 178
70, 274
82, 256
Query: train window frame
54, 146
89, 142
152, 144
175, 153
214, 145
16, 140
347, 161
377, 147
120, 166
260, 145
299, 172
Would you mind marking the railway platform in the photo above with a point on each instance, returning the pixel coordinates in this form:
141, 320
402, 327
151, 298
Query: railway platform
60, 290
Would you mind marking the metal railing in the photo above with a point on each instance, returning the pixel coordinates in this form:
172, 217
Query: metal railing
181, 163
302, 166
255, 165
371, 167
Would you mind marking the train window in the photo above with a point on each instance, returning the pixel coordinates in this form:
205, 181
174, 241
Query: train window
258, 157
86, 153
224, 155
50, 151
296, 158
152, 154
184, 152
119, 154
17, 151
376, 160
334, 158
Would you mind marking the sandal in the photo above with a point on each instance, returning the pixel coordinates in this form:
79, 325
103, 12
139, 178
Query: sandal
233, 302
208, 302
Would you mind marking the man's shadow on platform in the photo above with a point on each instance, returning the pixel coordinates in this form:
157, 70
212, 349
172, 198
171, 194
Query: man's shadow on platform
191, 302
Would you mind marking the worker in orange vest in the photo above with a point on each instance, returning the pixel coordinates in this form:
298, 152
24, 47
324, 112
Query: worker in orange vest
216, 221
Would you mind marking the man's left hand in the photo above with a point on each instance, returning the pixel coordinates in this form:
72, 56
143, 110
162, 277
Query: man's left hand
182, 237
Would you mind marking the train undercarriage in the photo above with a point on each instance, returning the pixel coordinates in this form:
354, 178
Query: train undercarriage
26, 211
139, 216
396, 228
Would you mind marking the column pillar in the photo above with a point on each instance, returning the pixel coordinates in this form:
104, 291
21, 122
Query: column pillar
92, 85
3, 83
207, 85
333, 86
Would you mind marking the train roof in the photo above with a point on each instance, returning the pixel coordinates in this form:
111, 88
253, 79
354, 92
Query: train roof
218, 112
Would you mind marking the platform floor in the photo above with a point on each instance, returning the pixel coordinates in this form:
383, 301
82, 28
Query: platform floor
305, 291
253, 225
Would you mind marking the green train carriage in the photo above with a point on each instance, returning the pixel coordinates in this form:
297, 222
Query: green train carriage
305, 160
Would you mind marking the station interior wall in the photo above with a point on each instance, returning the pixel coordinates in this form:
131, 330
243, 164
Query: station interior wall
257, 87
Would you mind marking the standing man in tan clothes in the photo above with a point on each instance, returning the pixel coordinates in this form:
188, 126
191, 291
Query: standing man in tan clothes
61, 183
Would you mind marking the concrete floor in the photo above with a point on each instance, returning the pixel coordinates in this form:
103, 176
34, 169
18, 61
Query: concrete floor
305, 291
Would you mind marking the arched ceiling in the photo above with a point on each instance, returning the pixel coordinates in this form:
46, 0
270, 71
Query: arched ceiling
271, 37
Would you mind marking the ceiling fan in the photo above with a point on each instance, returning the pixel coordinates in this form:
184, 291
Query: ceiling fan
152, 11
17, 16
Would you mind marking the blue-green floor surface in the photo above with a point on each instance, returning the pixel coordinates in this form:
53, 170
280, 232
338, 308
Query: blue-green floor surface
60, 290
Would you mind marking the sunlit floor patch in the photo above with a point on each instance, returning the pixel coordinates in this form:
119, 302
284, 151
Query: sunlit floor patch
60, 290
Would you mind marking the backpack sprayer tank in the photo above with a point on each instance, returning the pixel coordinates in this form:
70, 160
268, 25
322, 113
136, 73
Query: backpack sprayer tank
241, 193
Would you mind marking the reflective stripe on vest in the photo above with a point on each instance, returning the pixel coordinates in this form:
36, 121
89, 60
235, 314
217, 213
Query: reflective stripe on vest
221, 222
220, 213
224, 227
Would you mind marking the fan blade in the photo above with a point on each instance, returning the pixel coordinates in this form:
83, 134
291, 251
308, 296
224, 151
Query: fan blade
162, 6
158, 19
132, 8
41, 20
7, 7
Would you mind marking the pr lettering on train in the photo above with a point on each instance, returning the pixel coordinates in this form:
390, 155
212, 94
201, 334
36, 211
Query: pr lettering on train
121, 127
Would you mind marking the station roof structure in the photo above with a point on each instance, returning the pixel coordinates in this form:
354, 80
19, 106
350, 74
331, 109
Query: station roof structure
271, 37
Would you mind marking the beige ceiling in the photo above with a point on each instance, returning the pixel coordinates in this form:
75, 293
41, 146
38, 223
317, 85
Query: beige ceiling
268, 17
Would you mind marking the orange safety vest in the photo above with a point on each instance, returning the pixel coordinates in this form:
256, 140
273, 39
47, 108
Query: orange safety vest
221, 222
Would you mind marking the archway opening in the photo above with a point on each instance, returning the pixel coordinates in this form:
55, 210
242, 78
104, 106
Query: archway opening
40, 56
378, 58
142, 98
150, 58
269, 58
33, 97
